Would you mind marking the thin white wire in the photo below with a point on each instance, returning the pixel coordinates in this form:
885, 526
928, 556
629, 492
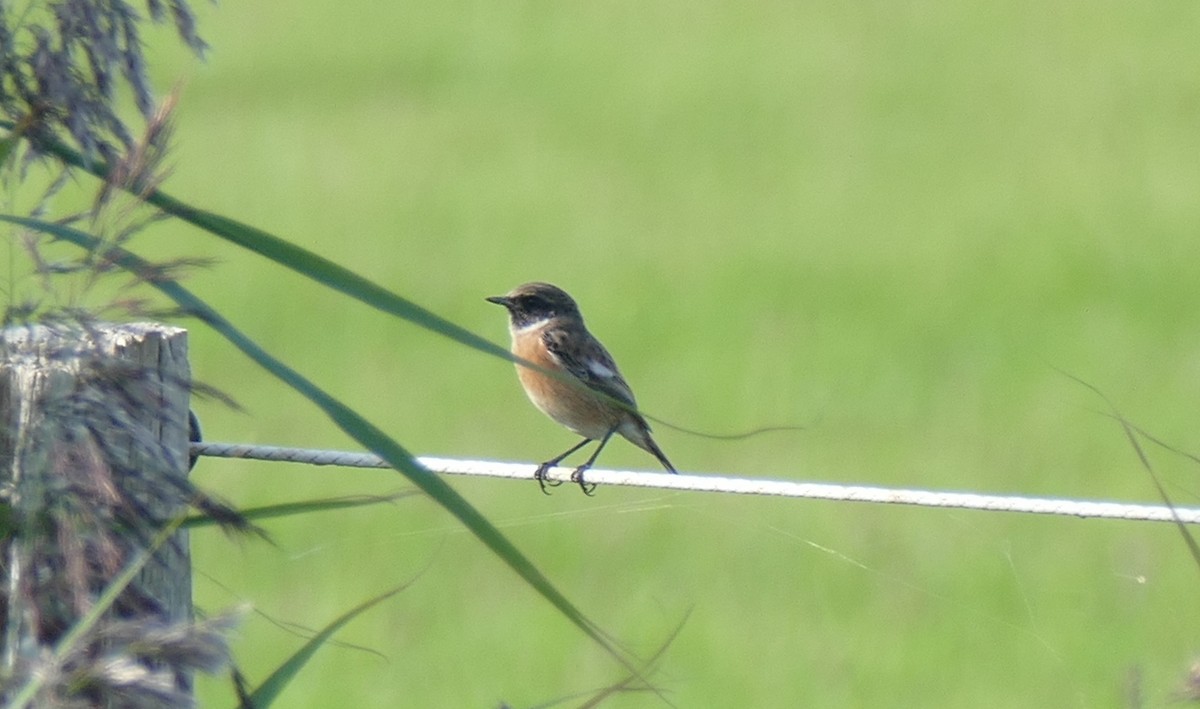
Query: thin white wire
738, 486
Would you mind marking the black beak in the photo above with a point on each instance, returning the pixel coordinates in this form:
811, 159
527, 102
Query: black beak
499, 300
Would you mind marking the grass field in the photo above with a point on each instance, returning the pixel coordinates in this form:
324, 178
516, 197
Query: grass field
891, 224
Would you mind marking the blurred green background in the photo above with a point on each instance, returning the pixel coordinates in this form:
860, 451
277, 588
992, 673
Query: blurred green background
890, 223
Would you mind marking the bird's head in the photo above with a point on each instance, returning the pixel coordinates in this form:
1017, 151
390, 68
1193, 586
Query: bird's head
536, 302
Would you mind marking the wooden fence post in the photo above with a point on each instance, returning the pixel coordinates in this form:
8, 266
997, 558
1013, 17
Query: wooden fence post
93, 460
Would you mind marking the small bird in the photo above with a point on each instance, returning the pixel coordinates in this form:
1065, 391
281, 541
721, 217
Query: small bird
547, 329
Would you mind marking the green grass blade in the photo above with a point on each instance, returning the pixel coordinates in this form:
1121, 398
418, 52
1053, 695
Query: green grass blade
361, 430
274, 685
7, 144
295, 508
284, 253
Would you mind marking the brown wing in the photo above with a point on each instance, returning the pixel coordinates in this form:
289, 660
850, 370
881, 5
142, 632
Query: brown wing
591, 364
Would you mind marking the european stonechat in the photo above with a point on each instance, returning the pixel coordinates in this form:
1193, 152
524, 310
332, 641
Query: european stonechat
547, 330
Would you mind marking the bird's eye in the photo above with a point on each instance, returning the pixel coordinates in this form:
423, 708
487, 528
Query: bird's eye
535, 303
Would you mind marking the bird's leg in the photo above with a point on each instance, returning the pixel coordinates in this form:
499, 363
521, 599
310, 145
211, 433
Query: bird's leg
540, 473
577, 476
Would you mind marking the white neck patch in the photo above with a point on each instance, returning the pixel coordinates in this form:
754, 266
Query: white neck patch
528, 327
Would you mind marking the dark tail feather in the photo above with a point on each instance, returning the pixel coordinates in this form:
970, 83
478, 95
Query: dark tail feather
657, 453
646, 442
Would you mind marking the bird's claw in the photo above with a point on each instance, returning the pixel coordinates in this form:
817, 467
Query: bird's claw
543, 481
577, 477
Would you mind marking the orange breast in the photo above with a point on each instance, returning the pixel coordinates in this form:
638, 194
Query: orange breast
572, 406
